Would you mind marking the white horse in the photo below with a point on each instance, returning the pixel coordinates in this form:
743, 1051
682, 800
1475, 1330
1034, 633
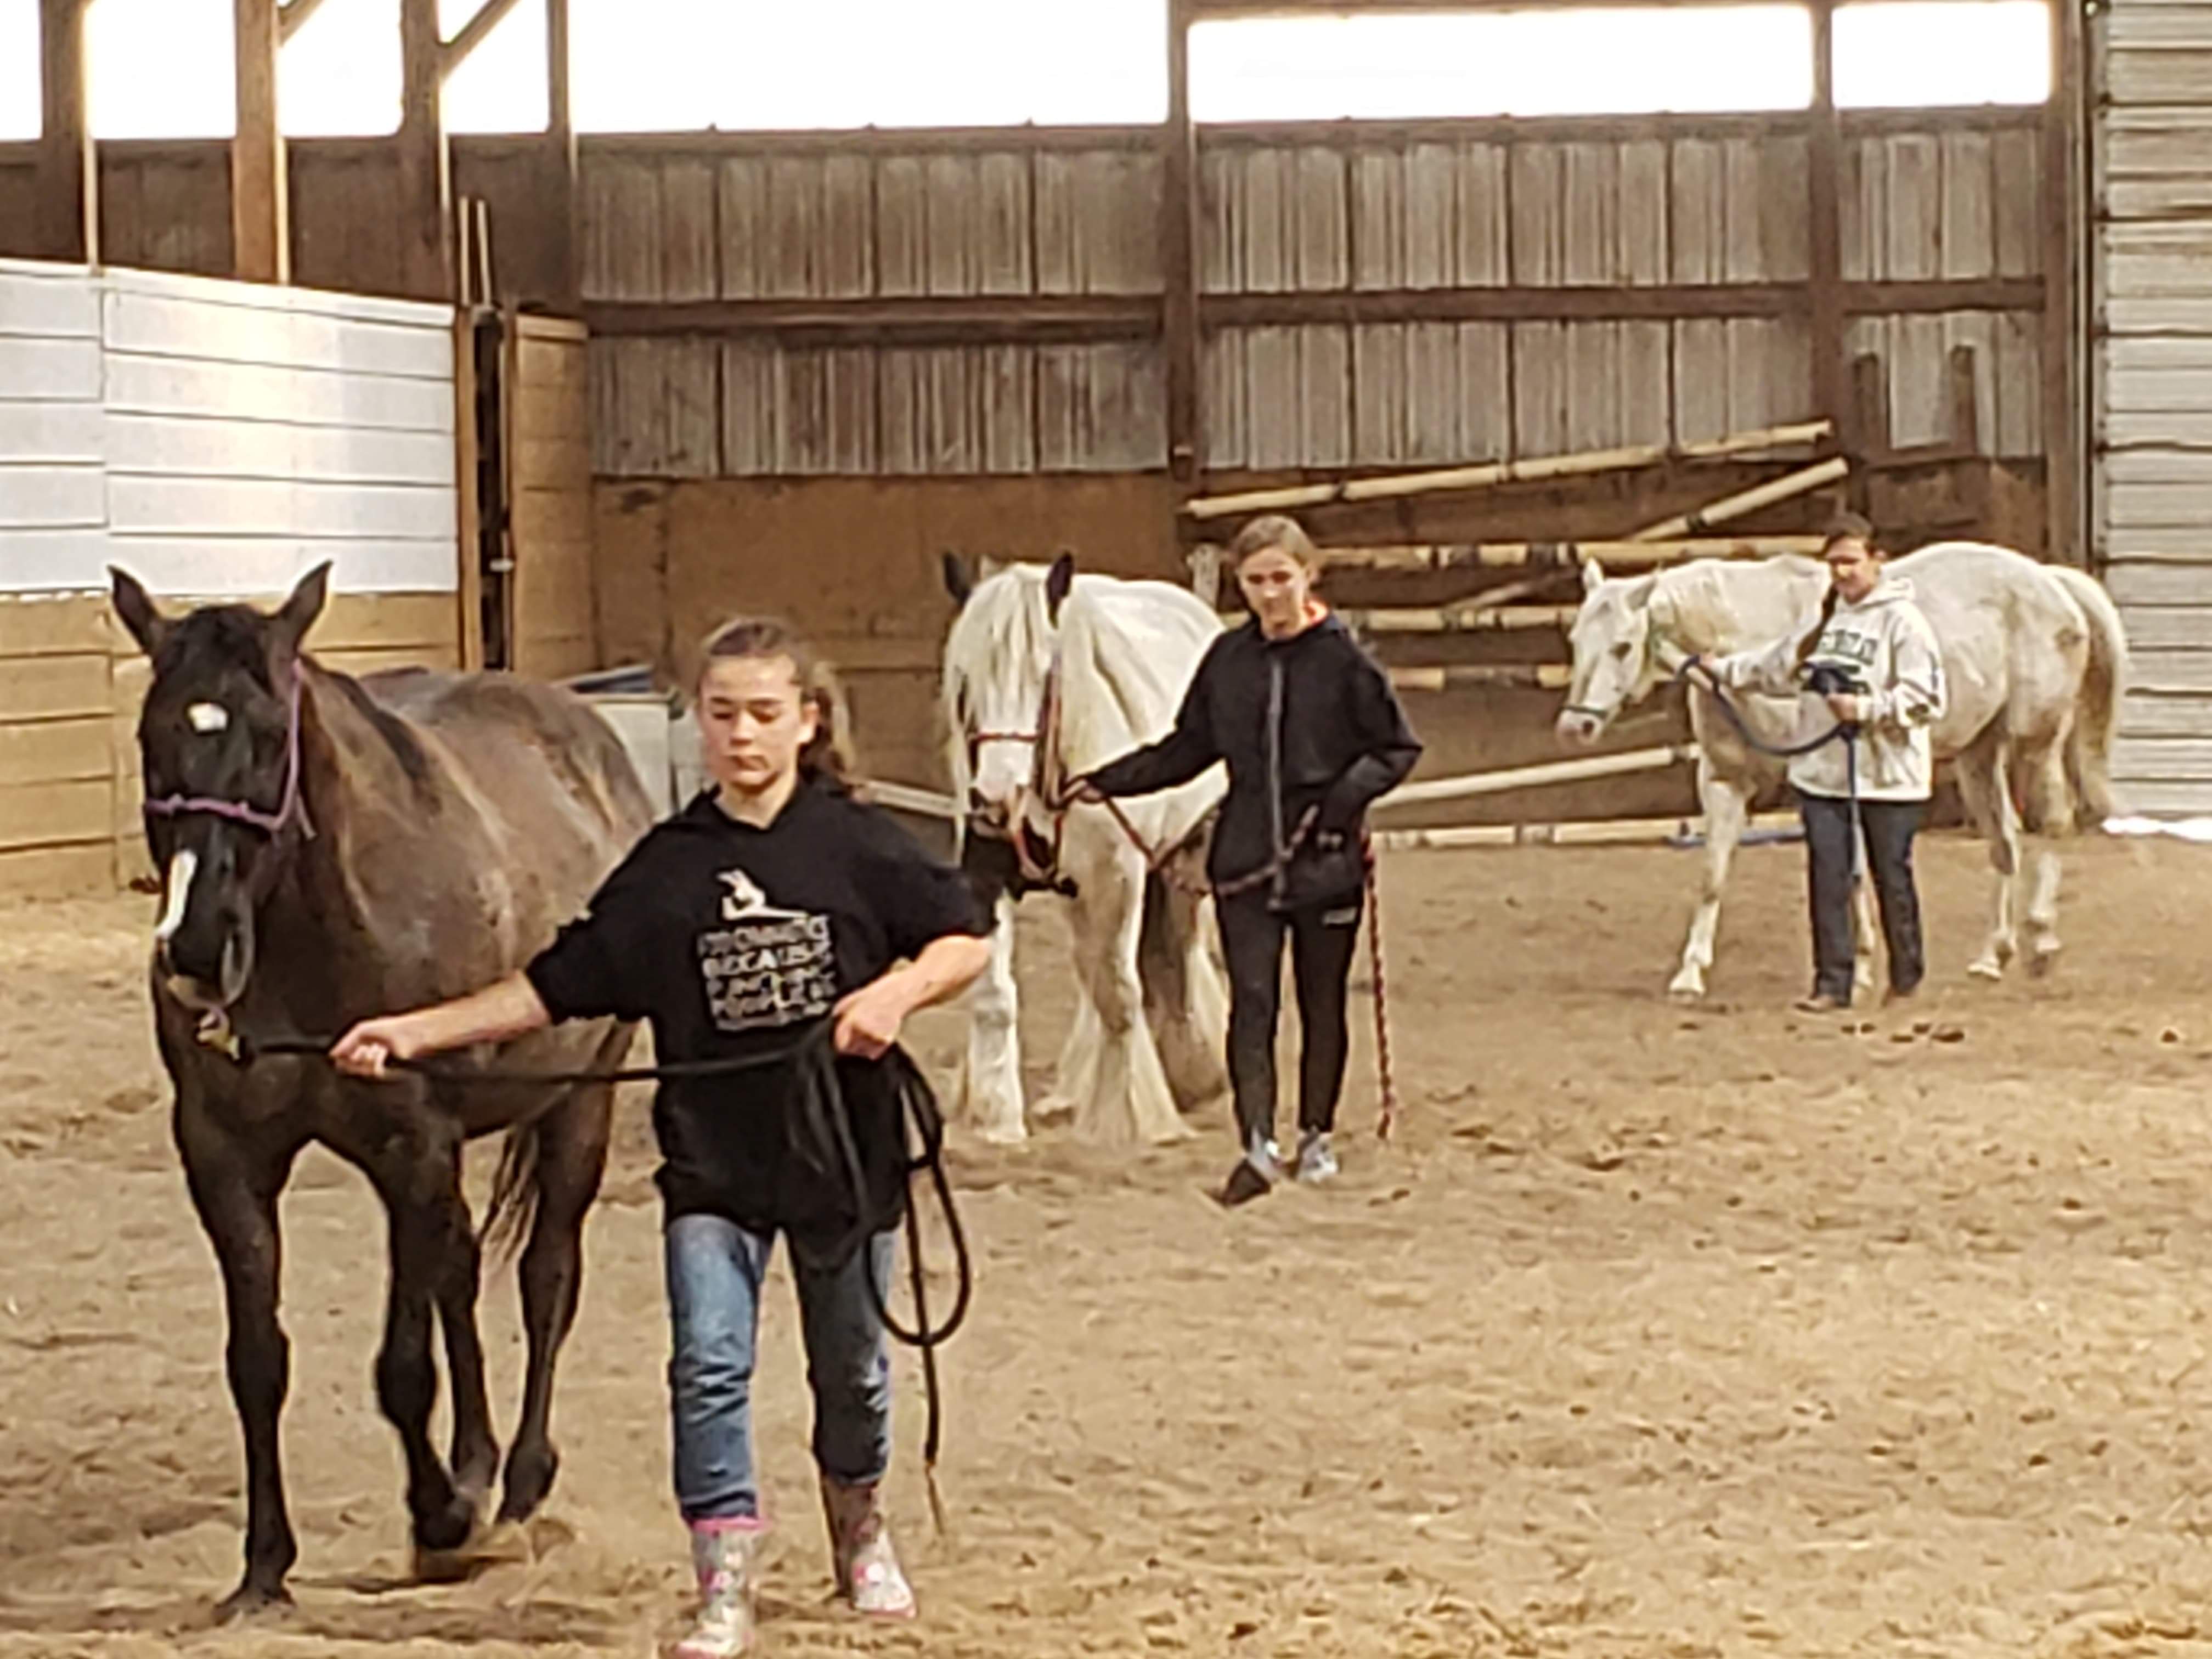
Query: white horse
1048, 675
2036, 664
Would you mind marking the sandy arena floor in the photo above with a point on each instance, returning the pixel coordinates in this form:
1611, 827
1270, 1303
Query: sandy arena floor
1656, 1334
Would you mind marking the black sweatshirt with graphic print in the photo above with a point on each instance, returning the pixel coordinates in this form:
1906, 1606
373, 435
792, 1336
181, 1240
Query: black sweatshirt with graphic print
730, 940
1306, 723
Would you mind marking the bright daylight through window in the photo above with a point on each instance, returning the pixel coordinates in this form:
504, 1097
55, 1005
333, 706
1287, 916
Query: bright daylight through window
161, 69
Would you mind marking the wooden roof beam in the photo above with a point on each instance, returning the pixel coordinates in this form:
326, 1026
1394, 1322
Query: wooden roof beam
293, 17
455, 53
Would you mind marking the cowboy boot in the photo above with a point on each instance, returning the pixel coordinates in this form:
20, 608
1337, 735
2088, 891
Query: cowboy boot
722, 1554
868, 1567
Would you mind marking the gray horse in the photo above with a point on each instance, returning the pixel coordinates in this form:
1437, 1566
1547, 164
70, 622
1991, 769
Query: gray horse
2037, 663
333, 849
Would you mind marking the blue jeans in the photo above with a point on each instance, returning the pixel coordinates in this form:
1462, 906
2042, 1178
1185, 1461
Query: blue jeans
714, 1274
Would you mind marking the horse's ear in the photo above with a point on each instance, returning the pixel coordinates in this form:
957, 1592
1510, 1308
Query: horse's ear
1593, 573
148, 626
959, 581
1058, 582
298, 613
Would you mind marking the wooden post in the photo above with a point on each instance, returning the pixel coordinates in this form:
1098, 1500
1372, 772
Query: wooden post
1824, 147
425, 176
2065, 340
68, 211
260, 192
1179, 259
560, 192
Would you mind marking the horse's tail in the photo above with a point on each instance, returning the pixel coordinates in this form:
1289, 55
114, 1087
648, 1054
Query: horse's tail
2104, 691
514, 1206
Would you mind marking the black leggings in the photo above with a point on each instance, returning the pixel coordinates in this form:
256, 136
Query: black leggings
1322, 941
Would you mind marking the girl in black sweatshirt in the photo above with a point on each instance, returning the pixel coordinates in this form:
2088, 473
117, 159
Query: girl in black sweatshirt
1311, 734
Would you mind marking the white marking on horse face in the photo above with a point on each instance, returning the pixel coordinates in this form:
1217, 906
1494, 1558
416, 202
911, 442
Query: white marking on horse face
208, 717
179, 892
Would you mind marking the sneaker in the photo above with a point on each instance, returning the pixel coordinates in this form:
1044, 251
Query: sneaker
1316, 1158
868, 1567
1819, 1003
722, 1555
1893, 996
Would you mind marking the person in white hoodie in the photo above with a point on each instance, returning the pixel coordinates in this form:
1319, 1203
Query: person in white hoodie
1870, 666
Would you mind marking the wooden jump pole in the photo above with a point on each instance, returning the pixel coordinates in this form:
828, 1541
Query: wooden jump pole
1574, 832
1462, 619
1398, 485
1735, 506
1432, 557
1531, 777
1461, 676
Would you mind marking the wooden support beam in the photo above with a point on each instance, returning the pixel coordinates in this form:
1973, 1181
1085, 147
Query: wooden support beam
260, 192
1035, 319
2065, 336
294, 17
425, 227
490, 16
559, 190
1179, 257
68, 211
1831, 373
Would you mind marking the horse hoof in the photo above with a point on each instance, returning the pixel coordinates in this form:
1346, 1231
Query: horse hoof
999, 1136
1985, 968
1687, 987
2041, 961
250, 1603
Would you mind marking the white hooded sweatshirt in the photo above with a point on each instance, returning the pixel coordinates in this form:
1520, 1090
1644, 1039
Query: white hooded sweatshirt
1885, 644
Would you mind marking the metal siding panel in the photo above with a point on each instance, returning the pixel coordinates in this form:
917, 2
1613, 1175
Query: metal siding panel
1379, 182
1100, 408
1272, 414
901, 226
1701, 380
621, 229
1697, 200
1097, 229
1222, 407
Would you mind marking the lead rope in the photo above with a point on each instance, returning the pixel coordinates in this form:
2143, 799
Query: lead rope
1385, 1074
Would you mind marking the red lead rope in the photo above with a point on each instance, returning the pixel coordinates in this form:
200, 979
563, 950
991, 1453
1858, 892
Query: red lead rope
1386, 1077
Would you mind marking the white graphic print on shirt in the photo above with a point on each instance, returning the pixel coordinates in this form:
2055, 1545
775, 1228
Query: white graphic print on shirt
767, 968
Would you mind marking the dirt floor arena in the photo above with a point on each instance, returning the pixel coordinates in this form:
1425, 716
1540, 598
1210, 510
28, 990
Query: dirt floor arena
1720, 1333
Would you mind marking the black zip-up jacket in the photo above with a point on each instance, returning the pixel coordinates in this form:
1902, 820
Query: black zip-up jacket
1306, 723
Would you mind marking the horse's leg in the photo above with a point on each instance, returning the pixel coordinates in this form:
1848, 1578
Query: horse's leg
2049, 817
1987, 797
571, 1153
1130, 1099
1184, 1002
474, 1449
234, 1187
1726, 804
993, 1081
417, 1172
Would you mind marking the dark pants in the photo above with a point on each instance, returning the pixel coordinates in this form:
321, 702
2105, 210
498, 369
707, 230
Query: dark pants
1322, 941
1888, 827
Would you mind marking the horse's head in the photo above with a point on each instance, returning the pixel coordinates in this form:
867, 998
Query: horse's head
998, 666
1616, 661
219, 740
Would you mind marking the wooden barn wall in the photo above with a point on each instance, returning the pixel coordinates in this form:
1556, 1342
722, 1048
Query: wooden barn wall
1367, 211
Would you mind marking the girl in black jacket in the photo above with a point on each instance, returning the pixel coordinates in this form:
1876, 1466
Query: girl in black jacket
1311, 734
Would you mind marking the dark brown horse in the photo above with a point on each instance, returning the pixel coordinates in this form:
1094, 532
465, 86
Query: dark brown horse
333, 849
